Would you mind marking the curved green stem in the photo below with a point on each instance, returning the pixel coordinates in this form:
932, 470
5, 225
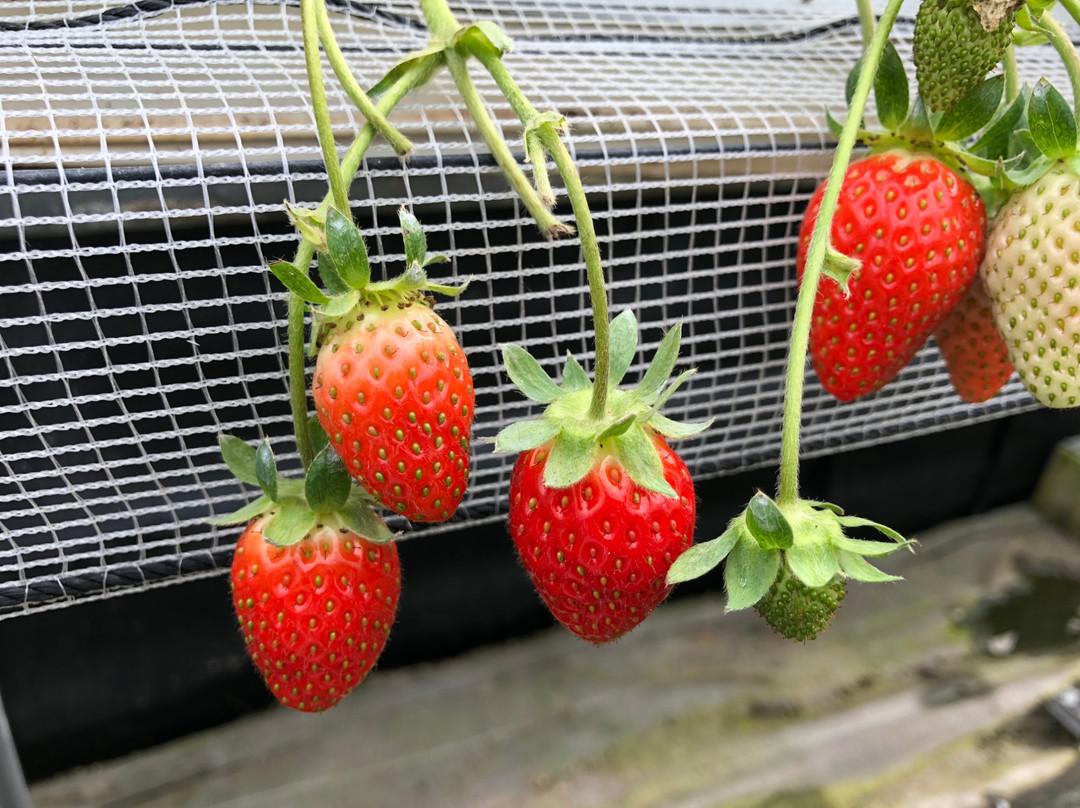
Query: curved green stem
788, 490
440, 19
297, 380
1012, 74
367, 108
489, 131
309, 18
866, 20
1064, 46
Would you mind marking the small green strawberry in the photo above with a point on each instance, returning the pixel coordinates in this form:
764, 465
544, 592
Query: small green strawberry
797, 611
953, 51
1032, 274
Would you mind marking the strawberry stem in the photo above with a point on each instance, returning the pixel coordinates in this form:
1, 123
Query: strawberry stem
1012, 74
310, 22
788, 490
866, 20
374, 116
298, 392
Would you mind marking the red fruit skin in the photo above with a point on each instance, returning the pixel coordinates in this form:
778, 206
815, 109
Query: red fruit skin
395, 396
974, 351
598, 552
919, 230
315, 615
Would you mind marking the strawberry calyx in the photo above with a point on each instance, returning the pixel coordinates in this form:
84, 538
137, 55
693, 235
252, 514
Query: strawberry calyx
804, 540
293, 507
345, 270
628, 425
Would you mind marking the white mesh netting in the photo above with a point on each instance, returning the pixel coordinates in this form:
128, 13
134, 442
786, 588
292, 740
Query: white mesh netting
146, 152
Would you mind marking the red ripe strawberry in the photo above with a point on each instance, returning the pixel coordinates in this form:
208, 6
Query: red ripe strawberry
393, 392
974, 351
598, 551
919, 229
315, 614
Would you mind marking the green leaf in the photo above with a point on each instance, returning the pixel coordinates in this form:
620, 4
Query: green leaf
310, 223
703, 557
858, 521
767, 524
525, 435
663, 362
858, 568
297, 282
319, 438
415, 240
432, 57
290, 525
245, 514
572, 456
239, 457
340, 305
874, 549
574, 377
526, 373
994, 142
438, 258
266, 470
750, 571
835, 127
839, 267
891, 89
358, 517
624, 342
328, 483
638, 456
330, 276
1051, 121
974, 111
675, 430
346, 248
814, 563
917, 127
485, 34
852, 81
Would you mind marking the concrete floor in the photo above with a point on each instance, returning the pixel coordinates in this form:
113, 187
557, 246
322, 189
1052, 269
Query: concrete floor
893, 706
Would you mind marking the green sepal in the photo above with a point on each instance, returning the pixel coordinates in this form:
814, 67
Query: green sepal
526, 373
340, 305
852, 81
542, 119
319, 438
840, 267
675, 430
266, 475
667, 393
873, 549
346, 248
624, 341
571, 458
574, 377
767, 524
438, 258
702, 558
917, 126
327, 484
637, 454
290, 524
994, 142
888, 532
330, 276
358, 517
415, 240
310, 223
813, 563
974, 111
245, 514
824, 506
750, 571
297, 282
239, 457
1051, 122
525, 435
618, 428
434, 56
443, 289
835, 127
891, 89
859, 569
484, 34
663, 362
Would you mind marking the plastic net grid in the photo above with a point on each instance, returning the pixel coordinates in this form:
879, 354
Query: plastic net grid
146, 153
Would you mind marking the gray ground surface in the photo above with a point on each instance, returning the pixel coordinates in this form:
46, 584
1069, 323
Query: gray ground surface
893, 706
